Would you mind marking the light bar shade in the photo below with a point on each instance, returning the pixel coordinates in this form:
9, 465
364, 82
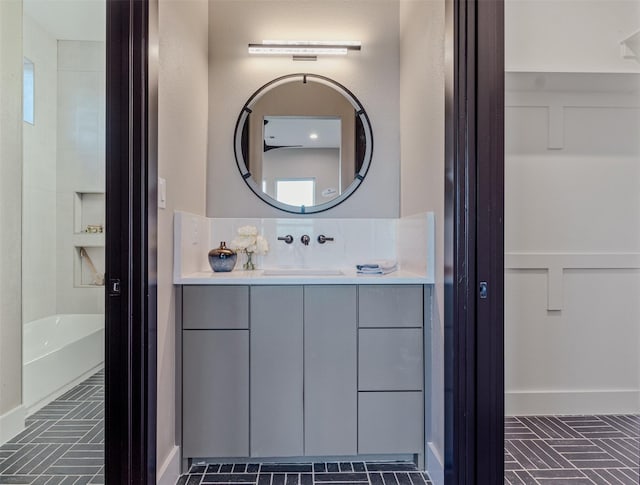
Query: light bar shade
304, 47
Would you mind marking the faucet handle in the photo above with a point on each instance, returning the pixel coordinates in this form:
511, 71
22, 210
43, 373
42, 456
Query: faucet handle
288, 238
323, 239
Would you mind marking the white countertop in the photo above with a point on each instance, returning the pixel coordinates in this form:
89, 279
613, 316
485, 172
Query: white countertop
257, 277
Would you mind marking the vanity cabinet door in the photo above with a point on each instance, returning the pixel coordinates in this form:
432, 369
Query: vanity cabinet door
390, 359
277, 371
330, 368
390, 422
220, 307
390, 305
215, 398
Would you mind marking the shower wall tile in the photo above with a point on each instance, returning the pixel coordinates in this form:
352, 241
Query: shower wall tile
80, 163
79, 150
39, 254
39, 179
81, 56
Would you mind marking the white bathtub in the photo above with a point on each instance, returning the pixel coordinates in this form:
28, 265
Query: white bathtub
58, 353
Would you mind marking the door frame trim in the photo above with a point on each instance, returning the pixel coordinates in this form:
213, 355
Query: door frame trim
131, 242
474, 208
474, 242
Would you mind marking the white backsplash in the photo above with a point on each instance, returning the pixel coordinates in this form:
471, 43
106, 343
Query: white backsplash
415, 243
408, 240
355, 240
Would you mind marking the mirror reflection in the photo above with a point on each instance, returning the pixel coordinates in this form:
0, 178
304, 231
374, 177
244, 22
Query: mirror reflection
302, 153
303, 143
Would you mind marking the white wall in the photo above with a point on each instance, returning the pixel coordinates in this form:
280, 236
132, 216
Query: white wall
39, 178
10, 212
572, 217
182, 130
372, 75
422, 173
80, 165
569, 35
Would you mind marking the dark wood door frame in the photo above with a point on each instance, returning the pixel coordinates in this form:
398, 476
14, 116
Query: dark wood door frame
474, 210
131, 212
474, 247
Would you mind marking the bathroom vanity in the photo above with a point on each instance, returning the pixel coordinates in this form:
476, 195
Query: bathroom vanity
306, 358
271, 370
289, 364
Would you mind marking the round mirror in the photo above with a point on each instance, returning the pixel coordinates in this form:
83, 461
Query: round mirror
303, 143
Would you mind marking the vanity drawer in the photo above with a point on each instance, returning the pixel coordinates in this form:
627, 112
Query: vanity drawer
390, 305
390, 359
215, 307
390, 422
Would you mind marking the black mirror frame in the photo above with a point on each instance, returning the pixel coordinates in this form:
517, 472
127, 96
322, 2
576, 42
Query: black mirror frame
246, 174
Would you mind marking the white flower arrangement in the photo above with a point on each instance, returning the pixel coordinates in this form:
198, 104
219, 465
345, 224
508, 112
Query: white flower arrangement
249, 242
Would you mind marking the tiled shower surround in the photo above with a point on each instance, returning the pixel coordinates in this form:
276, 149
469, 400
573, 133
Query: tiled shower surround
554, 450
63, 443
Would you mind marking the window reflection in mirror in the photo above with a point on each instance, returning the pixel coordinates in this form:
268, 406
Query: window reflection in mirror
296, 192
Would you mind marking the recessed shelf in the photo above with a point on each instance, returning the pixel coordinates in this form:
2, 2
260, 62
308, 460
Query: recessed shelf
84, 276
88, 210
88, 240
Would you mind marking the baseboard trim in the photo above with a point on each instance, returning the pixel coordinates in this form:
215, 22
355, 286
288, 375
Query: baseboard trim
169, 472
12, 423
531, 403
38, 405
435, 465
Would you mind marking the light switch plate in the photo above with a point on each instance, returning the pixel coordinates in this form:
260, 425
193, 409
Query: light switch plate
162, 193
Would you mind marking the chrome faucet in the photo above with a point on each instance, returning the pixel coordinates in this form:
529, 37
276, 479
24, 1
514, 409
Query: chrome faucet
323, 239
288, 238
305, 240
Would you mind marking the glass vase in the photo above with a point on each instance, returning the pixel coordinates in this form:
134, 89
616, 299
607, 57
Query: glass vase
249, 265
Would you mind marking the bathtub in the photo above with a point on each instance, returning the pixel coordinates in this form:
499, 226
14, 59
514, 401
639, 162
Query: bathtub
58, 353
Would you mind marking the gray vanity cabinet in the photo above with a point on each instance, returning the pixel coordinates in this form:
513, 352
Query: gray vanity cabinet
330, 368
215, 371
390, 369
302, 370
277, 371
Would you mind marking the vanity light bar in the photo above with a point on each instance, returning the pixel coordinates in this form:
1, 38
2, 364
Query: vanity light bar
304, 47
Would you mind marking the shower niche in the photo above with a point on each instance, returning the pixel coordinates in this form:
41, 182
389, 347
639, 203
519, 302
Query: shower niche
88, 238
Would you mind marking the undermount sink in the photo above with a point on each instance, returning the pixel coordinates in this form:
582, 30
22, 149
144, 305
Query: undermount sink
302, 272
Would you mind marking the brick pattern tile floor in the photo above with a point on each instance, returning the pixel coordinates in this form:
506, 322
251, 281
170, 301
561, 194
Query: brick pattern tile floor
63, 443
325, 473
600, 450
